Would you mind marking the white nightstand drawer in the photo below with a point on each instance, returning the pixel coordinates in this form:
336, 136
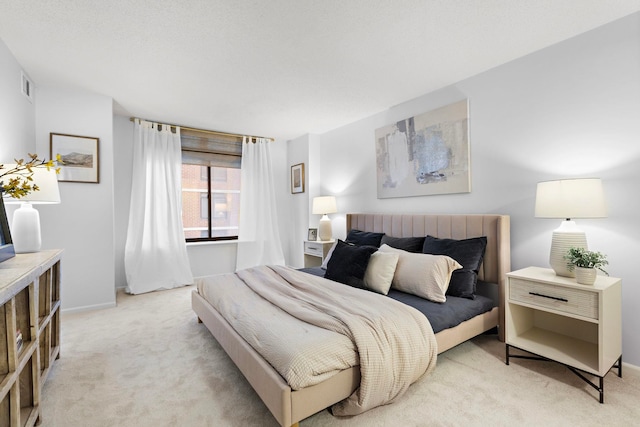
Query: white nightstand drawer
313, 248
568, 300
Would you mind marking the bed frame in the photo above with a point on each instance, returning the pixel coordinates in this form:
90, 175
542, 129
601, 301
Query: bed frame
290, 406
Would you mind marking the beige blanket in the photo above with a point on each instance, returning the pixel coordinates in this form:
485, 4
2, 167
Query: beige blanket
395, 344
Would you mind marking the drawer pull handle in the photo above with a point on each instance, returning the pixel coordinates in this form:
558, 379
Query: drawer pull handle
547, 296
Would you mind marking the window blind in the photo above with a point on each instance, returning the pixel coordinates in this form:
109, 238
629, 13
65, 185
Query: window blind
209, 149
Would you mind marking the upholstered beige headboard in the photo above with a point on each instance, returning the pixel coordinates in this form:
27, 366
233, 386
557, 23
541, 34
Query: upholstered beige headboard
497, 258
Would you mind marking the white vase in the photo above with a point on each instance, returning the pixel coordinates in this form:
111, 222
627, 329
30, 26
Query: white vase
586, 276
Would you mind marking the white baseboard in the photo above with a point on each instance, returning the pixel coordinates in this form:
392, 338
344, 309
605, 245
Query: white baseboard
626, 365
88, 308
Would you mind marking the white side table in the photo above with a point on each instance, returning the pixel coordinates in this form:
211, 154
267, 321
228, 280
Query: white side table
316, 251
555, 318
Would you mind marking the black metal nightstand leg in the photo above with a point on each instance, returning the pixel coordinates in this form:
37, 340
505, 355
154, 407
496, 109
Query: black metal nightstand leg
507, 354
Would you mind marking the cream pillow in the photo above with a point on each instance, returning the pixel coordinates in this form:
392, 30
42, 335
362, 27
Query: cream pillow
424, 275
380, 271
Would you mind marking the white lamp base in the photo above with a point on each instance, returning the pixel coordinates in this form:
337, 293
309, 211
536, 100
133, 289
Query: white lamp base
25, 229
564, 237
324, 228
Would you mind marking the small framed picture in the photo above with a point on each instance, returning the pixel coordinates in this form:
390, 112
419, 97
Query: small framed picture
297, 178
79, 155
313, 235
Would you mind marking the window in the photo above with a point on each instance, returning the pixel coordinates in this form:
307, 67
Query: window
210, 185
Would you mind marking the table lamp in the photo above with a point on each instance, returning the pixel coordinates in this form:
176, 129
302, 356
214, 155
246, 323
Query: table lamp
322, 206
567, 199
25, 226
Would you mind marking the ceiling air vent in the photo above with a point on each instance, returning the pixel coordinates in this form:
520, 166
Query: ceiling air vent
27, 87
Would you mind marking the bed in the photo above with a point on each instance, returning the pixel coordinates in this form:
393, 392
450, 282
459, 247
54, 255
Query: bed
290, 406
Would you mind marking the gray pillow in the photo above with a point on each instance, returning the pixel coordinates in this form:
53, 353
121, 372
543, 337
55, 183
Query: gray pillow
469, 253
364, 238
409, 244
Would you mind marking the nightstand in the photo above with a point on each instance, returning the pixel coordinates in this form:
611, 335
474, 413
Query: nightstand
316, 251
555, 318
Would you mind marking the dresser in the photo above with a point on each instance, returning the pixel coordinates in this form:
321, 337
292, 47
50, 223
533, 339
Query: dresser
558, 319
29, 332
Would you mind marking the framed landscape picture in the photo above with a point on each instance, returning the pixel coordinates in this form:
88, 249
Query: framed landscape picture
79, 155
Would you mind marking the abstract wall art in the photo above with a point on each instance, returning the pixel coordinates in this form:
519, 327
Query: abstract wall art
426, 154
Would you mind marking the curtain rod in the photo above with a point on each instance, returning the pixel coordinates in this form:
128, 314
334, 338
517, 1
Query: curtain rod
214, 132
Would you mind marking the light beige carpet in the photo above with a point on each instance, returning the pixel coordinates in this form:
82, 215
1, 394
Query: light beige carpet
148, 362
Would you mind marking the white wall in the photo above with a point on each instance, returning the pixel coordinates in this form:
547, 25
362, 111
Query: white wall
17, 113
571, 110
298, 204
83, 224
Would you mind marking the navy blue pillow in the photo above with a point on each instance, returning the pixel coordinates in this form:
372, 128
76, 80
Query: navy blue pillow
409, 244
364, 238
349, 263
469, 253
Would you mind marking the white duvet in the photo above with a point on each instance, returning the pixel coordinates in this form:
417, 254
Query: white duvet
310, 328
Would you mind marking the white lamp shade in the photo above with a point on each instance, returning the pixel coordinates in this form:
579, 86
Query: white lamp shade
324, 205
47, 182
570, 198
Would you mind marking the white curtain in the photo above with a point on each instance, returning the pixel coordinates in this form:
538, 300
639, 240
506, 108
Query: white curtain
156, 253
259, 239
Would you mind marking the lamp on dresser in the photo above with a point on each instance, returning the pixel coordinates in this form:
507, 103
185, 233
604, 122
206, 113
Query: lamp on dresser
25, 226
569, 199
322, 206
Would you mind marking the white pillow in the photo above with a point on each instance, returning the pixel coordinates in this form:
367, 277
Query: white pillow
380, 270
424, 275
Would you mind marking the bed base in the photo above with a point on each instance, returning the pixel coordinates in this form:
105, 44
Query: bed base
291, 406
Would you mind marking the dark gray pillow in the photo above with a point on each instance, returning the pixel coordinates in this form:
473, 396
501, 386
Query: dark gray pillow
364, 238
349, 263
409, 244
469, 253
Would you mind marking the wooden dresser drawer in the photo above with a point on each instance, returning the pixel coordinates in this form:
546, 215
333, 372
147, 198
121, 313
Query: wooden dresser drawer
313, 248
568, 300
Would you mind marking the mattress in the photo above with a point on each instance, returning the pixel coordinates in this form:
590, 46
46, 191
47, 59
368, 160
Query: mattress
441, 315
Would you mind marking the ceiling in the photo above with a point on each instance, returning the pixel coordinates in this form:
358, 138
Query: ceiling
280, 68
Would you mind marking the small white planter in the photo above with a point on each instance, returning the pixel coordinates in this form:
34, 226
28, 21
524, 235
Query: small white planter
586, 276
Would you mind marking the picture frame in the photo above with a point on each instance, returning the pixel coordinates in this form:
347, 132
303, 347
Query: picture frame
297, 178
6, 242
79, 155
312, 235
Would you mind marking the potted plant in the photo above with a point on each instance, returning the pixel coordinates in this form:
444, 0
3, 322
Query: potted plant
586, 264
